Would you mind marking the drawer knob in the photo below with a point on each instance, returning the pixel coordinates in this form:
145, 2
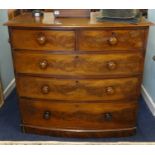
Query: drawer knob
77, 83
43, 64
111, 65
108, 116
45, 89
112, 40
41, 39
110, 90
153, 57
47, 115
76, 57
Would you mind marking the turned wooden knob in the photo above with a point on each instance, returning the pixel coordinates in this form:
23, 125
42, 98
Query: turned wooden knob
111, 65
108, 116
41, 39
43, 64
77, 83
76, 57
110, 90
112, 40
47, 115
45, 89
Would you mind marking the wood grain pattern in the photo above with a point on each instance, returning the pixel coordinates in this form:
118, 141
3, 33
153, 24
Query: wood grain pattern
65, 89
111, 40
78, 64
68, 115
43, 40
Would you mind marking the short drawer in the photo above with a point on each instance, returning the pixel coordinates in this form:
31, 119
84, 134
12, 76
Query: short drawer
77, 65
43, 40
82, 89
100, 40
92, 116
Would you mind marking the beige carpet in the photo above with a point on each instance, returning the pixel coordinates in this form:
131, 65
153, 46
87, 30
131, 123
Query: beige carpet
72, 143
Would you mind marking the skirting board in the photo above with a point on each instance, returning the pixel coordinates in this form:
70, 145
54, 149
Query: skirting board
9, 88
148, 99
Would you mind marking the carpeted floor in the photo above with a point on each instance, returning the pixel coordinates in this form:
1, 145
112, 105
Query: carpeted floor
10, 129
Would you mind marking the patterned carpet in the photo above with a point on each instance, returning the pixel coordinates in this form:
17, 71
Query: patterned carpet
10, 129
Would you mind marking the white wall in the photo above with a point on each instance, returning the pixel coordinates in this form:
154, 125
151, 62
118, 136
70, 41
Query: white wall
6, 68
149, 71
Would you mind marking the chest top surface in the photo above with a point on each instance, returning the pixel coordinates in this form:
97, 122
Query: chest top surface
26, 20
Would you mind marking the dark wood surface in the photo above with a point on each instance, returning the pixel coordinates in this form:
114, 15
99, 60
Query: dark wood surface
107, 116
79, 133
77, 77
66, 13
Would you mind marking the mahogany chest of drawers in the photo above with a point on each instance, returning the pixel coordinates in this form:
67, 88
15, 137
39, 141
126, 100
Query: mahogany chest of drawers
78, 79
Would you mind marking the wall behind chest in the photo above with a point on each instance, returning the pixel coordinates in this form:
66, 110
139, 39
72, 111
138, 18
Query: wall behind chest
149, 71
6, 68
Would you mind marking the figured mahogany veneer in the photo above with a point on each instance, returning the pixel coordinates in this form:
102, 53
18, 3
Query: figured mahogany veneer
43, 40
82, 89
78, 64
76, 77
111, 40
67, 115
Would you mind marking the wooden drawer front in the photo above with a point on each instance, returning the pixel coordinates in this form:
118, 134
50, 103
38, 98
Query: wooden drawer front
78, 115
69, 89
43, 40
84, 64
111, 40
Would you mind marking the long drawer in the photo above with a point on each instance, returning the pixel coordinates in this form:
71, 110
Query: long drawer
99, 40
95, 116
43, 40
78, 64
82, 89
